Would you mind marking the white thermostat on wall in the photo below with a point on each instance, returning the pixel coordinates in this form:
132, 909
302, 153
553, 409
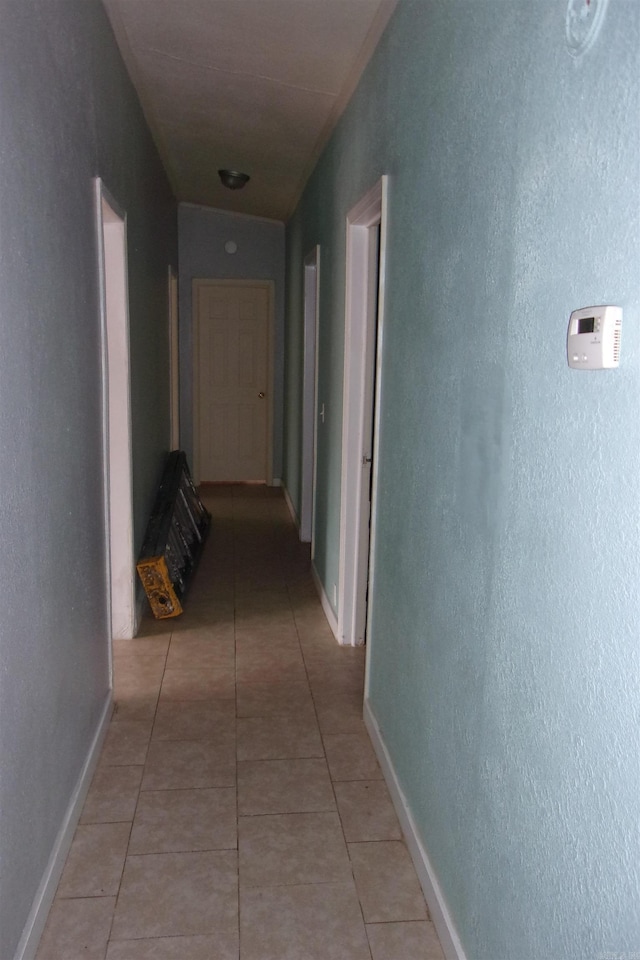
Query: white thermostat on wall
593, 338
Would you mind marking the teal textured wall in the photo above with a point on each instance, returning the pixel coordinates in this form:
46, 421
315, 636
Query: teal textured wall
504, 648
68, 113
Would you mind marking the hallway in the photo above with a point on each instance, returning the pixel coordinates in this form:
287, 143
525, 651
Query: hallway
238, 810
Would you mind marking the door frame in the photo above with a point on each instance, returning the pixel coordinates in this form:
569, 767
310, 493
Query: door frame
310, 397
359, 400
117, 448
196, 285
174, 359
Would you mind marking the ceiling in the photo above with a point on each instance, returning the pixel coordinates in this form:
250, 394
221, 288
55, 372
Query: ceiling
249, 85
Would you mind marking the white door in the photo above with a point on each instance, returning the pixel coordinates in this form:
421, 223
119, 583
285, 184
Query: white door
112, 240
232, 380
362, 354
309, 395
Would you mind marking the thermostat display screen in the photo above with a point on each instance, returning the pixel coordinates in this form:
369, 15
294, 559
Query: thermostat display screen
593, 337
585, 324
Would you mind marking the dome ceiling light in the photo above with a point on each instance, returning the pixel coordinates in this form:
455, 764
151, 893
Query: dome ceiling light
233, 179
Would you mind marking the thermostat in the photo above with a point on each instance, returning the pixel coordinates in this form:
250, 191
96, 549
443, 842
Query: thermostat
593, 338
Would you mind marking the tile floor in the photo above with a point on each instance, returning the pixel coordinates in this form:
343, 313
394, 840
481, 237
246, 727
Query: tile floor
238, 811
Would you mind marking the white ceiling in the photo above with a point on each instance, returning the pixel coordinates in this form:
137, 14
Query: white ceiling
250, 85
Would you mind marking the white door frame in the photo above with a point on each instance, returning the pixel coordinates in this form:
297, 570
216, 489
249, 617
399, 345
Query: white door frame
196, 286
116, 412
309, 396
174, 360
358, 401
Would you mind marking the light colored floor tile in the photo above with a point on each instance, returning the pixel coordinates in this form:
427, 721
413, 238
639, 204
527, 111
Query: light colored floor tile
137, 686
177, 895
171, 948
275, 700
344, 677
338, 711
278, 738
150, 627
156, 646
126, 743
252, 620
181, 820
195, 683
366, 811
190, 764
113, 795
205, 620
292, 848
277, 663
272, 630
77, 928
138, 672
255, 608
196, 720
95, 861
416, 940
136, 707
135, 666
351, 757
321, 651
310, 922
204, 653
284, 786
215, 589
386, 881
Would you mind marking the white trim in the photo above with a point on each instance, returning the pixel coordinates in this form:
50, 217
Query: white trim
354, 540
43, 899
311, 288
142, 605
449, 939
291, 508
269, 285
116, 410
377, 407
174, 361
324, 601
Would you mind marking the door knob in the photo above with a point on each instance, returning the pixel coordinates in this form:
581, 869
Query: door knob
261, 395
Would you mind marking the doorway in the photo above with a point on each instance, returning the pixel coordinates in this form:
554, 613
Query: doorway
233, 380
366, 251
174, 361
114, 304
309, 394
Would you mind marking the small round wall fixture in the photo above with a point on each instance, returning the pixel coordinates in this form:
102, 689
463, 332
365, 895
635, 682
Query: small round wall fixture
583, 24
231, 246
233, 179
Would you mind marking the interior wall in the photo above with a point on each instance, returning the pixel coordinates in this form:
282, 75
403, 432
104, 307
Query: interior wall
503, 649
203, 233
67, 114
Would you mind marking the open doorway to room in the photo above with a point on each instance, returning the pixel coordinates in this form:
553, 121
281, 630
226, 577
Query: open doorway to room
366, 224
112, 246
174, 360
309, 394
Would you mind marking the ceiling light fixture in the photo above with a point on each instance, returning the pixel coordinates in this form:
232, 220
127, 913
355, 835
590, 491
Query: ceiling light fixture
233, 179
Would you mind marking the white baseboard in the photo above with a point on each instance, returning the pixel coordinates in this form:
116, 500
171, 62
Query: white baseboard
37, 918
436, 903
324, 600
292, 509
